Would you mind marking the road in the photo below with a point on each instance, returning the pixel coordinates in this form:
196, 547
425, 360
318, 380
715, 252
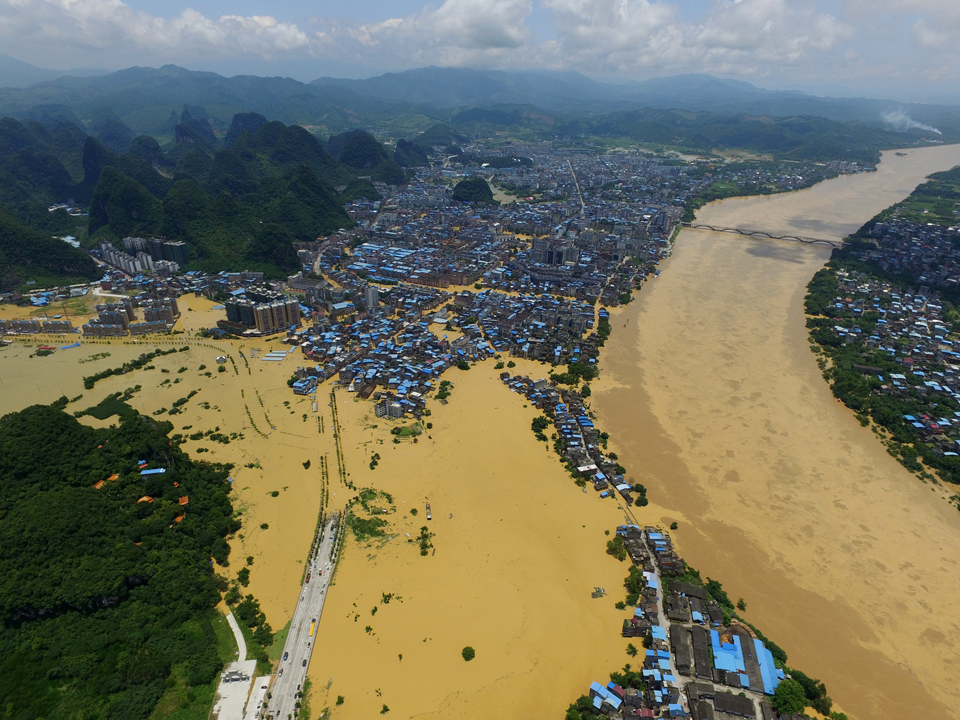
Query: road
295, 661
241, 643
576, 180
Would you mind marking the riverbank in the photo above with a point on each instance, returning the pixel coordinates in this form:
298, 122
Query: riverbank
713, 398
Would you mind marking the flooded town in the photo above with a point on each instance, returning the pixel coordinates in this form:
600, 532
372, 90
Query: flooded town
559, 372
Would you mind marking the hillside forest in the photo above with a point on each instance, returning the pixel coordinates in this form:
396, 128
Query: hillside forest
239, 201
107, 600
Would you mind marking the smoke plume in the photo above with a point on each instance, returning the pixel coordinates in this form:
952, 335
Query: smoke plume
902, 122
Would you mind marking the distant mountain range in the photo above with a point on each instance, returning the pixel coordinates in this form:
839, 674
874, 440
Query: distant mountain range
18, 74
575, 94
150, 100
568, 92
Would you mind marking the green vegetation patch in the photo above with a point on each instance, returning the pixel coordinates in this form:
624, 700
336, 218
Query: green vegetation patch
473, 190
366, 528
106, 602
115, 404
91, 380
935, 201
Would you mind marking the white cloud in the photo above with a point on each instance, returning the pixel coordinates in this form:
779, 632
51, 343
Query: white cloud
927, 36
799, 40
459, 32
112, 27
618, 36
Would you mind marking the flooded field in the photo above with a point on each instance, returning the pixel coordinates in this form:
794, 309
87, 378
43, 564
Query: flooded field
517, 551
518, 547
713, 399
250, 398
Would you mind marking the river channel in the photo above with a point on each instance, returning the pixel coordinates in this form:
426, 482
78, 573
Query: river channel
714, 400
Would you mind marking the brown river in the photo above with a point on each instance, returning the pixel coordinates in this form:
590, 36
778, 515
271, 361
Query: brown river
714, 400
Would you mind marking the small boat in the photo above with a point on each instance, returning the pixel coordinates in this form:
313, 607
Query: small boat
429, 516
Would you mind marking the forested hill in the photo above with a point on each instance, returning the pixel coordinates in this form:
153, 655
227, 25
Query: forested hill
27, 254
106, 601
239, 202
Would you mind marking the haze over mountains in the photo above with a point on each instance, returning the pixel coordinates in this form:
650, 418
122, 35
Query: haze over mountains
18, 74
416, 98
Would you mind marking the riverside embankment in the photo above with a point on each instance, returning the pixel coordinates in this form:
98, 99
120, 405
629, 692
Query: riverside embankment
714, 400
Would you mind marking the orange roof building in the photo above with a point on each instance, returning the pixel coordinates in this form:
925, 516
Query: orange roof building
145, 498
185, 500
114, 477
98, 485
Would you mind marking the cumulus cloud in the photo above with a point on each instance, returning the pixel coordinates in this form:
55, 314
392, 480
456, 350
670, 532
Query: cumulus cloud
113, 27
803, 39
601, 35
459, 32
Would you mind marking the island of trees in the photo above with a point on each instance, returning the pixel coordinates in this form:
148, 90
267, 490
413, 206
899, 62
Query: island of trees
475, 190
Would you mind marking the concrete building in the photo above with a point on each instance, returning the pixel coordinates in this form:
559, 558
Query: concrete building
57, 327
164, 310
96, 328
265, 317
130, 264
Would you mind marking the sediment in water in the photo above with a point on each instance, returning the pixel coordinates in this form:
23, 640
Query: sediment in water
713, 397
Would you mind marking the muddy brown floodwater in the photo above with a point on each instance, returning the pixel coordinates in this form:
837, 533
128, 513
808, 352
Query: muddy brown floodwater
715, 401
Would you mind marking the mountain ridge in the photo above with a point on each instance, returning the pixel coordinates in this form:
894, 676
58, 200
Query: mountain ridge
410, 101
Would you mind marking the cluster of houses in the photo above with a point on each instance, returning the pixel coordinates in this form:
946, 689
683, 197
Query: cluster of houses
545, 328
910, 330
446, 261
578, 441
925, 251
119, 319
391, 353
394, 362
56, 325
694, 665
420, 235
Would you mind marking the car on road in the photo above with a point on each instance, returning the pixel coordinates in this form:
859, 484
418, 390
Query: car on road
286, 655
304, 662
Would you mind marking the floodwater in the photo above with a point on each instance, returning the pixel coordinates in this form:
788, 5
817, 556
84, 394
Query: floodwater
714, 400
518, 550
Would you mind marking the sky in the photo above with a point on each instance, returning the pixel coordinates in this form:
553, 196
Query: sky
901, 49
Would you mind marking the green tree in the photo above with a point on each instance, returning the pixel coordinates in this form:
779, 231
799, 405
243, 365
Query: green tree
468, 653
789, 697
617, 549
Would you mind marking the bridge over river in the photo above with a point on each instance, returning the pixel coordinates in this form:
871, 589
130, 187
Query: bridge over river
764, 233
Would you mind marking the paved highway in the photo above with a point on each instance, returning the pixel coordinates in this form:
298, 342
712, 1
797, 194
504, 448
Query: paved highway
295, 661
